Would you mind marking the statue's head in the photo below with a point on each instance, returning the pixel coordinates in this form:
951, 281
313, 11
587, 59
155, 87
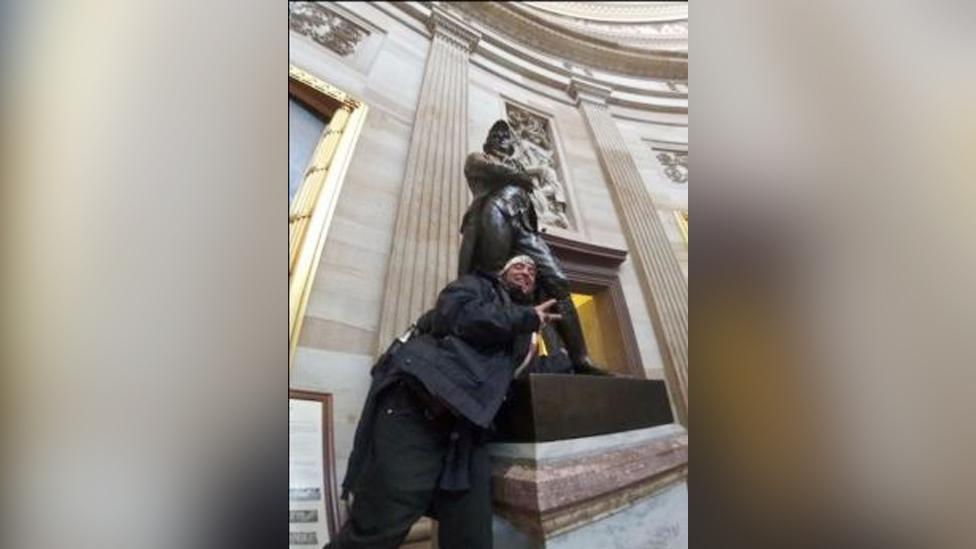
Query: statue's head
501, 139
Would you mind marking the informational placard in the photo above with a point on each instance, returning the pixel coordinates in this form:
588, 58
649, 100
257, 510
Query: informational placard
311, 496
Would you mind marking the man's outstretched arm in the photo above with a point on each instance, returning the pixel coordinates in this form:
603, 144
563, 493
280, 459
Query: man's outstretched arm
468, 315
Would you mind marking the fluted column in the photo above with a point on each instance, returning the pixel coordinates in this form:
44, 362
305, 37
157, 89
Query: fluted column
657, 267
435, 195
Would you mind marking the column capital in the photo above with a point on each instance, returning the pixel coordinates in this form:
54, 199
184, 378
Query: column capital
582, 89
454, 29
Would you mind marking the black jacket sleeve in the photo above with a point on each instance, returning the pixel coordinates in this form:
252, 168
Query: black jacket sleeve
472, 312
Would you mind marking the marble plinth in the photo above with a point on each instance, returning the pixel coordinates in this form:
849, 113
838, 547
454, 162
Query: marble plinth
612, 490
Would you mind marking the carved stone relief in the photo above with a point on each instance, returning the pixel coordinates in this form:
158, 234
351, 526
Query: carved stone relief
674, 164
325, 27
537, 150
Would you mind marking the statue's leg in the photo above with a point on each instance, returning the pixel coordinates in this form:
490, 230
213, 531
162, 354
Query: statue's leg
554, 283
495, 239
469, 240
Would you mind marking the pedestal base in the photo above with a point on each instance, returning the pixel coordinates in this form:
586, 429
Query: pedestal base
659, 521
614, 490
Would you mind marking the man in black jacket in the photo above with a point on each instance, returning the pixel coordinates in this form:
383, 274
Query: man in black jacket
419, 447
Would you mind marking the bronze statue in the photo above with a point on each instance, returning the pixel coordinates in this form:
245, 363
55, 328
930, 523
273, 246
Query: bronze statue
501, 222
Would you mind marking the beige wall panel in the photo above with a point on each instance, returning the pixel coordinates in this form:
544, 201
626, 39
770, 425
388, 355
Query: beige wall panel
335, 304
337, 336
640, 319
345, 376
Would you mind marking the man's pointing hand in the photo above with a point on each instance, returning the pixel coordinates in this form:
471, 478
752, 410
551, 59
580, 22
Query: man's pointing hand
546, 317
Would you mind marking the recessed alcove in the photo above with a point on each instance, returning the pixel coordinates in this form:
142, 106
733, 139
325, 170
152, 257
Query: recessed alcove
593, 273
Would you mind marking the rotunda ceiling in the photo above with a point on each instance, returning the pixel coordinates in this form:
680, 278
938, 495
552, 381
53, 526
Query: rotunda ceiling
648, 39
617, 12
645, 25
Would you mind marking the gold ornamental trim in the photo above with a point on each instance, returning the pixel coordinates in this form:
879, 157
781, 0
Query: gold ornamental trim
682, 217
314, 202
322, 86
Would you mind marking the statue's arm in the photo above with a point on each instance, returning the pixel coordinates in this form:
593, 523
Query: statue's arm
495, 174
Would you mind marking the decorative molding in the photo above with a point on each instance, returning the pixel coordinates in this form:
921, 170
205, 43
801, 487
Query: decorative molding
495, 52
585, 90
643, 118
573, 68
617, 12
677, 87
531, 30
326, 27
442, 24
664, 30
670, 35
588, 253
558, 66
321, 86
674, 164
604, 51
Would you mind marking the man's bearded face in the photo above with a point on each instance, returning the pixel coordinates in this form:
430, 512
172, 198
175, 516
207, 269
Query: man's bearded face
521, 276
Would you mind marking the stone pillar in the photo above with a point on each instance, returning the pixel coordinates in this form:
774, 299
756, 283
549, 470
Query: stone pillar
657, 268
435, 195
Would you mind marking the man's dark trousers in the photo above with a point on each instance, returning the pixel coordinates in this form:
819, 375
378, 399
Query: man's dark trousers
399, 484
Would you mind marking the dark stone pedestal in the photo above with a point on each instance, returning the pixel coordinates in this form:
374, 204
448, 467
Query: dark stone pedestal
547, 407
586, 461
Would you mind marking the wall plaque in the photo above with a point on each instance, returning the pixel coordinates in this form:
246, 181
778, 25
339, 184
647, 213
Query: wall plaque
312, 500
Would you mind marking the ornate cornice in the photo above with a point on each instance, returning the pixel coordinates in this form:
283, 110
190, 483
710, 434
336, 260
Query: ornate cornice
509, 59
647, 35
584, 90
441, 23
617, 12
530, 30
